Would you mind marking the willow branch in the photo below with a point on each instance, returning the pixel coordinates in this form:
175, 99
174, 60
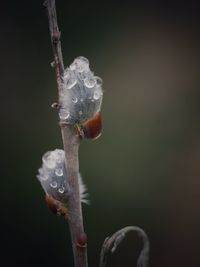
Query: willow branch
71, 146
111, 243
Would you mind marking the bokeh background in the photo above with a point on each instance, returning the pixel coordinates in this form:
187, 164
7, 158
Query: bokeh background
144, 170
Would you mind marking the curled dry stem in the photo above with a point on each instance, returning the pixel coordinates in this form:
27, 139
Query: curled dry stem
111, 243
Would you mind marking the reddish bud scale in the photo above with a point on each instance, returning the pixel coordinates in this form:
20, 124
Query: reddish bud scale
52, 204
56, 207
92, 128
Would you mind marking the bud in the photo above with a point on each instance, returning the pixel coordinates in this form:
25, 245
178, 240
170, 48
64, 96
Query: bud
82, 241
53, 177
56, 207
91, 128
82, 93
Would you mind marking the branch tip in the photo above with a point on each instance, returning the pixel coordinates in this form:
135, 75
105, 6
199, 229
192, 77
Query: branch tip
56, 44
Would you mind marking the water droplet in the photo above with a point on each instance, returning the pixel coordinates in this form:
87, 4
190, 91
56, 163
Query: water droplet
74, 99
81, 64
45, 157
80, 112
97, 95
59, 172
72, 66
89, 82
82, 59
53, 184
44, 177
49, 160
59, 154
63, 114
99, 81
61, 190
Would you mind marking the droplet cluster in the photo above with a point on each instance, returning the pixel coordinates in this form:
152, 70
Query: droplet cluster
82, 93
53, 177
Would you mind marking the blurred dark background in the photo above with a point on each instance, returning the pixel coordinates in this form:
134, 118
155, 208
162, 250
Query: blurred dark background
145, 169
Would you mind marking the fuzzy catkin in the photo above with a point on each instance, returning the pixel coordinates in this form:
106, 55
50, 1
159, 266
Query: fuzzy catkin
82, 93
53, 177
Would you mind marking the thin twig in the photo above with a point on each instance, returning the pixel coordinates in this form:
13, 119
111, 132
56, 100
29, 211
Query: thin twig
56, 44
111, 243
71, 146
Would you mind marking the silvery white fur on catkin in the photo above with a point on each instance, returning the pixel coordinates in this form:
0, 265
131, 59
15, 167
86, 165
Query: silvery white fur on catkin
53, 177
82, 93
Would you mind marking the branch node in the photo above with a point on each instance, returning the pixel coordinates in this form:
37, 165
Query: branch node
56, 37
55, 105
82, 241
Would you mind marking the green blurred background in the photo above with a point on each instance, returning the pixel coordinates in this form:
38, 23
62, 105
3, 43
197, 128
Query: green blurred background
145, 168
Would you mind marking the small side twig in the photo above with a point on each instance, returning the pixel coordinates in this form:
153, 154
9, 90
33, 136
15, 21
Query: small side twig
71, 145
111, 243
